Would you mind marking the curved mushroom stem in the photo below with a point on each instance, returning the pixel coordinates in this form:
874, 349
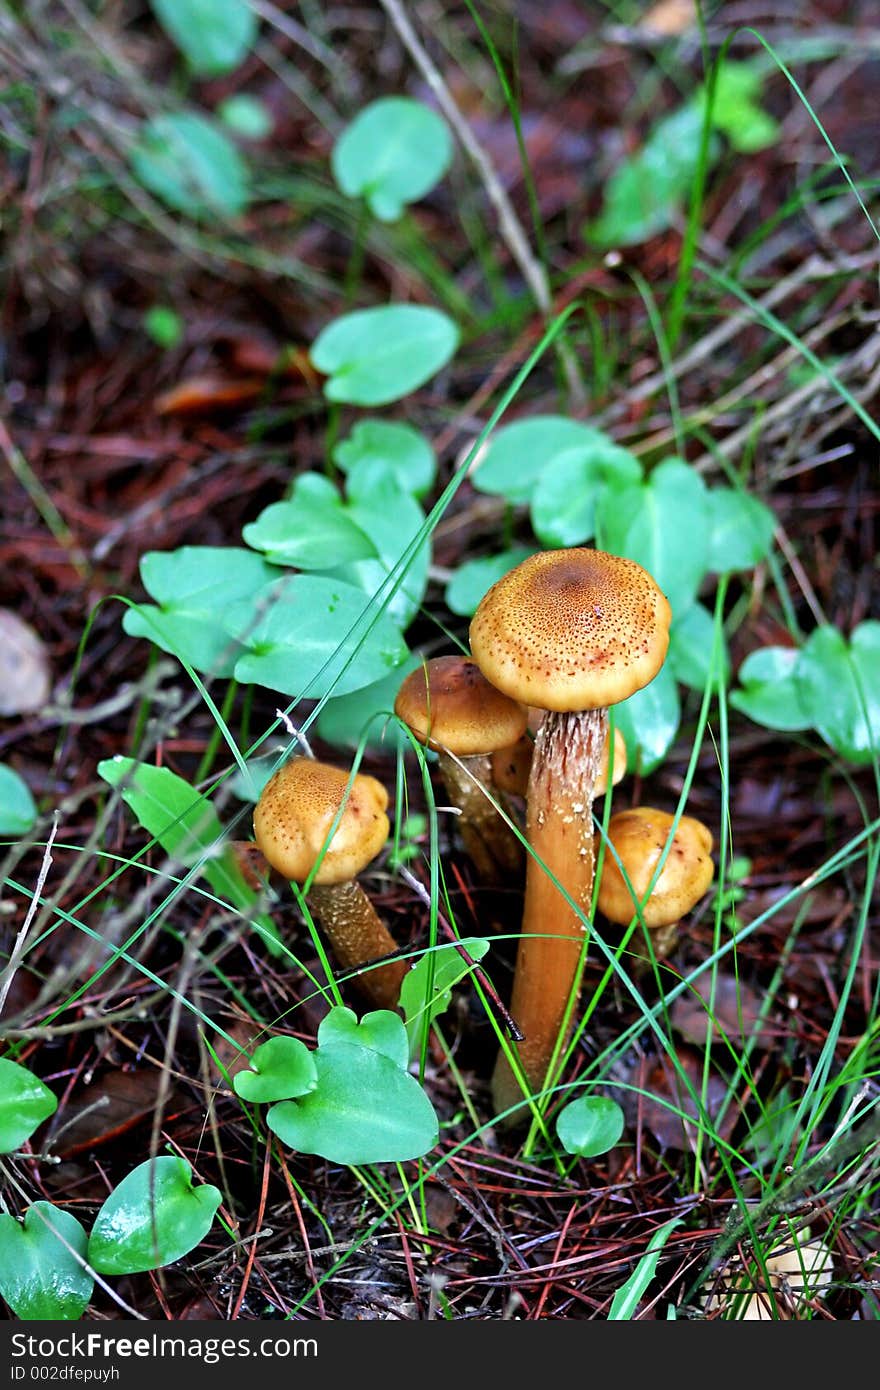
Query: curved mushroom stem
488, 839
559, 825
358, 935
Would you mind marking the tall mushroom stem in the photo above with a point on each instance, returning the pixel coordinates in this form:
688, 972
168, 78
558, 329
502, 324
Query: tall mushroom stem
559, 826
358, 935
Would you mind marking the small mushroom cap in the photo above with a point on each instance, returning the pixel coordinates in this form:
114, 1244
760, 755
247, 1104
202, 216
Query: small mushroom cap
572, 630
296, 811
448, 703
601, 785
639, 837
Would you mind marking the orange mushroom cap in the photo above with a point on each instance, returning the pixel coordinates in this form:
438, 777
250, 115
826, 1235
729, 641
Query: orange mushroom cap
572, 630
448, 703
296, 811
639, 837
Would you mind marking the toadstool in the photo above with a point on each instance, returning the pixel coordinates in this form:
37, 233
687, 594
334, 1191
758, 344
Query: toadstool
450, 706
569, 632
638, 838
293, 820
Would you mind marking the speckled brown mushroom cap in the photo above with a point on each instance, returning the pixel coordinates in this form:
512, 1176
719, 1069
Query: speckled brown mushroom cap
296, 810
448, 703
572, 630
639, 837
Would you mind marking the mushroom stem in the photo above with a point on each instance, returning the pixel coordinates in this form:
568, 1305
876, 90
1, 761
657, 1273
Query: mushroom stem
358, 935
492, 846
559, 825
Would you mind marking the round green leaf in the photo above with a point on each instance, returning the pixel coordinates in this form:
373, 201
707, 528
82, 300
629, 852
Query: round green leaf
24, 1103
565, 496
246, 116
740, 530
311, 529
39, 1277
838, 685
316, 635
518, 455
152, 1218
393, 153
381, 1030
164, 325
769, 692
590, 1125
281, 1069
691, 641
376, 444
364, 1110
649, 721
374, 356
475, 577
213, 35
192, 166
18, 812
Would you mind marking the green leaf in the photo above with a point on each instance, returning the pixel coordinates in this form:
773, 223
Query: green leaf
564, 499
735, 110
386, 444
646, 522
194, 588
768, 690
164, 325
474, 578
282, 1068
518, 455
192, 166
393, 520
426, 991
344, 718
381, 1031
213, 35
646, 191
838, 685
316, 635
393, 153
590, 1125
649, 721
691, 639
626, 1300
152, 1218
247, 116
24, 1103
740, 530
365, 1110
39, 1277
375, 356
309, 529
187, 827
18, 812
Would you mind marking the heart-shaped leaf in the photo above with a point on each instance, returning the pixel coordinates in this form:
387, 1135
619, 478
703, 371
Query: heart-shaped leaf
393, 153
382, 1031
18, 813
838, 684
649, 721
375, 445
768, 690
426, 991
311, 530
375, 356
39, 1277
317, 635
152, 1218
24, 1103
365, 1109
194, 587
646, 522
213, 35
282, 1068
518, 455
740, 530
590, 1125
565, 496
191, 165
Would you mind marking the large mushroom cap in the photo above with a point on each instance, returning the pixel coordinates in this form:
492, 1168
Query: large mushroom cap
296, 811
572, 630
449, 703
639, 837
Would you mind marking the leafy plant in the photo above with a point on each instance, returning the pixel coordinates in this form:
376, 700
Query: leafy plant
213, 35
590, 1125
191, 166
25, 1101
18, 813
393, 153
375, 356
40, 1276
426, 991
152, 1218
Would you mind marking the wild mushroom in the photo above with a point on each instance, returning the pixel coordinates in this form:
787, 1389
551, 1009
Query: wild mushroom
797, 1269
292, 823
450, 706
638, 838
569, 632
